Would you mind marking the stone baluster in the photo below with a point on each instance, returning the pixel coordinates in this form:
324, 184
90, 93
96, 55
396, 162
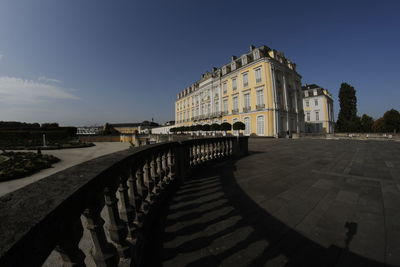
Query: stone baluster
127, 211
134, 197
70, 253
206, 151
171, 164
154, 176
164, 166
116, 227
159, 170
104, 254
214, 149
197, 153
226, 148
148, 181
142, 190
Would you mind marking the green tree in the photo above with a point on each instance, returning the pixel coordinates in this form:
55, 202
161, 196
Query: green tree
391, 120
226, 126
347, 118
239, 126
366, 123
378, 125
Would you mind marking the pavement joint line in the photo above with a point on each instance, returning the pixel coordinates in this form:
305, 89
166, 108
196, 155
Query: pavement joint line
342, 175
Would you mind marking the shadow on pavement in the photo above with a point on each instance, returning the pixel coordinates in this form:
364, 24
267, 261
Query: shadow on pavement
211, 221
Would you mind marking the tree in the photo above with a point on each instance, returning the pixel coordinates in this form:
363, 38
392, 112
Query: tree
391, 120
206, 128
215, 127
366, 123
378, 125
347, 118
226, 126
239, 126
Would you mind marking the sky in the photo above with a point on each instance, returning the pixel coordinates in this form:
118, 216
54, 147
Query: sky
86, 62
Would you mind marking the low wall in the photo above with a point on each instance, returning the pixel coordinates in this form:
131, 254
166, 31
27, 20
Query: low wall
99, 138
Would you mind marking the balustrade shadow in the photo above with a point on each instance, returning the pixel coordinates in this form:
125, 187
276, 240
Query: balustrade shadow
226, 227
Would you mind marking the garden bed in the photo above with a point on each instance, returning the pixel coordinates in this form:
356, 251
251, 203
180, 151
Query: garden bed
15, 165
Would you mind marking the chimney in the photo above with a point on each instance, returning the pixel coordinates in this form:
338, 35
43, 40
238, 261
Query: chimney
252, 47
233, 58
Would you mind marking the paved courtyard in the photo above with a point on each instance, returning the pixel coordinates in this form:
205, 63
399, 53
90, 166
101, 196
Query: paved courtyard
289, 203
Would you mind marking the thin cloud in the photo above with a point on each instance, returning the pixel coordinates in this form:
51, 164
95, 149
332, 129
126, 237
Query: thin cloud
1, 56
21, 91
45, 79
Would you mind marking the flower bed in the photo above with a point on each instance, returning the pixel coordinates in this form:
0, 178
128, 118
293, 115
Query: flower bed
15, 165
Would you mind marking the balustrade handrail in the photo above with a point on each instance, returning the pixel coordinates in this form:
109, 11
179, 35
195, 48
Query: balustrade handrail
46, 215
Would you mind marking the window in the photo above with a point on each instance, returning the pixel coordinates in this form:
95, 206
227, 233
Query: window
256, 54
234, 85
235, 103
247, 100
307, 103
216, 106
208, 108
258, 75
260, 97
224, 88
306, 93
225, 105
317, 115
260, 125
308, 116
245, 79
316, 102
247, 126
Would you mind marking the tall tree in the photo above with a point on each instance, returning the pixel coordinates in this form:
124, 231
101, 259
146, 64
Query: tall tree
378, 125
347, 118
391, 121
366, 123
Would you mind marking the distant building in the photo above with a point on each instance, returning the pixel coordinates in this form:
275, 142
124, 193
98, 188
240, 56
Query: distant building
261, 88
132, 128
88, 130
318, 109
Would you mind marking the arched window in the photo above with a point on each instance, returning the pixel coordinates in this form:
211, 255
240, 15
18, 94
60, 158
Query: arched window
247, 126
260, 125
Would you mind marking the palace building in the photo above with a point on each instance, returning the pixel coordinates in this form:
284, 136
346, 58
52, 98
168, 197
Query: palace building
260, 88
318, 109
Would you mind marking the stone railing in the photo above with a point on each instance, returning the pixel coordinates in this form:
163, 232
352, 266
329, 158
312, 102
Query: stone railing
122, 191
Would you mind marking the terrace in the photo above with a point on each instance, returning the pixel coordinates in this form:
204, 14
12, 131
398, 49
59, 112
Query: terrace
200, 203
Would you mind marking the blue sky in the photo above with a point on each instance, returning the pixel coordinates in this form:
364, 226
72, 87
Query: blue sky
80, 62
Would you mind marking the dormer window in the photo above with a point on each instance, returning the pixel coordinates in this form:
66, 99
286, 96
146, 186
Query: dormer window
233, 65
244, 60
223, 70
256, 54
306, 93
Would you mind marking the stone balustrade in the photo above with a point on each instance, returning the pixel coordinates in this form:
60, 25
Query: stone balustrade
115, 198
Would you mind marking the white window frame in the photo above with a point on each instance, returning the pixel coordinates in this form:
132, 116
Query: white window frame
235, 103
247, 124
225, 105
317, 115
256, 72
245, 78
260, 97
246, 100
260, 130
234, 84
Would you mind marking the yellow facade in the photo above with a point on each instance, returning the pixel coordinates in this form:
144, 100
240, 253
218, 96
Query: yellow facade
247, 92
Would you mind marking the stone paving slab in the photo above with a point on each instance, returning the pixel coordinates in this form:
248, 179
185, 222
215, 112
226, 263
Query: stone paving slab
289, 203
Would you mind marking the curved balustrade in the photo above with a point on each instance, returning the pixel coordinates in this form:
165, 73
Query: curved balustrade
127, 187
